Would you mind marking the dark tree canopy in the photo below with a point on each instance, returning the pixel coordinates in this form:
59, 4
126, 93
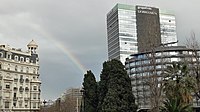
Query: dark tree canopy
90, 92
115, 89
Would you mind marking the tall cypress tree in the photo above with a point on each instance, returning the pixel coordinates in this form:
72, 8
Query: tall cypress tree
90, 93
103, 87
115, 89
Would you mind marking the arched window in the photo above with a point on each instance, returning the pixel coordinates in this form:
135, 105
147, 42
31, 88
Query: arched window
8, 56
38, 71
21, 59
21, 68
27, 60
8, 67
27, 69
16, 58
37, 59
34, 70
16, 68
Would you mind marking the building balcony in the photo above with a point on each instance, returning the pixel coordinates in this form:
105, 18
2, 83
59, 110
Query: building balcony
27, 80
15, 79
15, 98
1, 77
21, 89
26, 89
21, 80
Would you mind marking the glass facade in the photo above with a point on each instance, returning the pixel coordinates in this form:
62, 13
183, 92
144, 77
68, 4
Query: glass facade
142, 66
168, 28
127, 33
122, 32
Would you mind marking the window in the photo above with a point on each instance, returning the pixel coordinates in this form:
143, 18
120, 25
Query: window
21, 68
16, 68
34, 95
27, 69
34, 70
16, 58
15, 95
7, 86
7, 104
20, 104
14, 104
21, 76
27, 60
8, 56
8, 67
21, 59
35, 88
26, 104
34, 104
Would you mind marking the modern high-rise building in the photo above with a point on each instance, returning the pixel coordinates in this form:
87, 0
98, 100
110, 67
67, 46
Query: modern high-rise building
19, 79
133, 29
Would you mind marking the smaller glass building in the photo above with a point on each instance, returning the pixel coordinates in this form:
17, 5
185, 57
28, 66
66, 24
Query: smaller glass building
147, 67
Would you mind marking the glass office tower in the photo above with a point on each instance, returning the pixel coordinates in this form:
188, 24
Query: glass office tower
124, 32
121, 31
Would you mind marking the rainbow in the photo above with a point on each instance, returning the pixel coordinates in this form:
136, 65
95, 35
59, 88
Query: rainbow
71, 56
60, 46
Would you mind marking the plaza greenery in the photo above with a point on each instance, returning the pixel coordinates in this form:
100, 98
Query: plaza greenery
114, 90
179, 85
113, 93
90, 93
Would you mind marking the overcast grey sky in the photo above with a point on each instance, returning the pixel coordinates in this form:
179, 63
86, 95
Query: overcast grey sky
71, 33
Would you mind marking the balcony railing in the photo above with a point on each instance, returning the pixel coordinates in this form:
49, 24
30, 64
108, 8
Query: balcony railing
21, 89
27, 80
15, 98
21, 80
15, 79
26, 89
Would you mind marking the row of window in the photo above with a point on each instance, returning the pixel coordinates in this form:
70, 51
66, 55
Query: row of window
16, 68
34, 104
35, 88
17, 58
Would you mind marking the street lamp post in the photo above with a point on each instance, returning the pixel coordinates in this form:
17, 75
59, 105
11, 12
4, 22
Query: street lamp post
44, 102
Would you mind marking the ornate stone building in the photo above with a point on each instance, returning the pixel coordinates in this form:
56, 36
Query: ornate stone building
19, 79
